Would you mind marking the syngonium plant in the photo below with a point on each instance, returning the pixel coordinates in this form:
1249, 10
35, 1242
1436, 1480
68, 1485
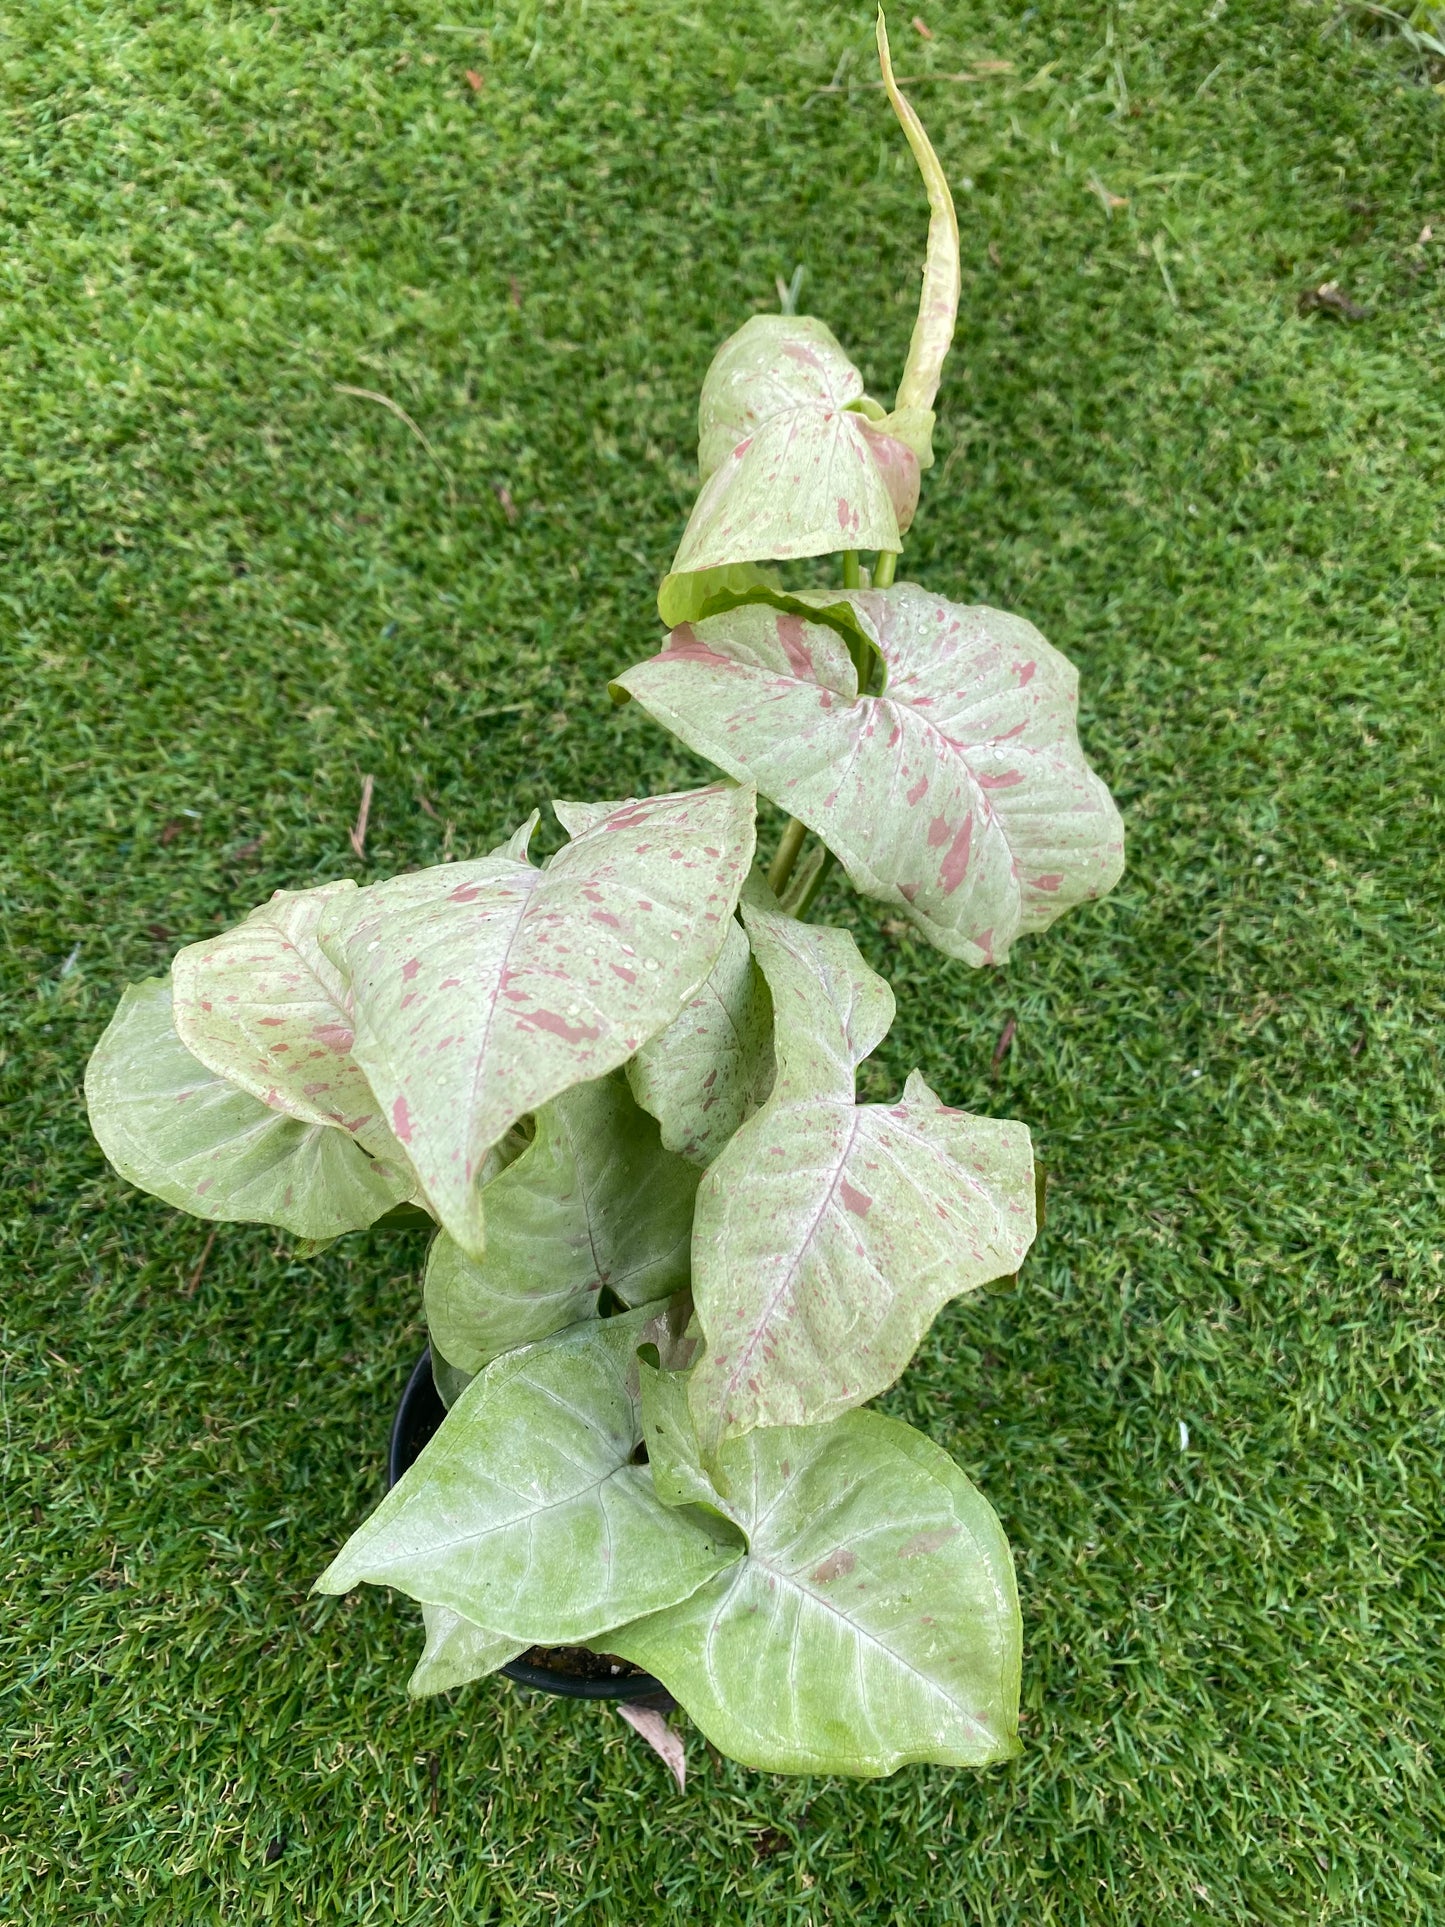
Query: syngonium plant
674, 1258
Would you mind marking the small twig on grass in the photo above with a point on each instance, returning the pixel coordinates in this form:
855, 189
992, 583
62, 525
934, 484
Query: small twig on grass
1001, 1048
373, 394
363, 815
195, 1278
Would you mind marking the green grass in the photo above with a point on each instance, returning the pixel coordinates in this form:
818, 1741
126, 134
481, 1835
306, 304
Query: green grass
229, 591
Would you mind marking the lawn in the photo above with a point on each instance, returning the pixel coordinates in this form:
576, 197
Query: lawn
1209, 1415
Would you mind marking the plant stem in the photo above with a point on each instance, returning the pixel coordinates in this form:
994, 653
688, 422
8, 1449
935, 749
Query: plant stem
810, 895
787, 855
883, 569
852, 577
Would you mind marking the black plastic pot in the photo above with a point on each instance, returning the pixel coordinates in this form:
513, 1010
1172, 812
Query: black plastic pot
419, 1414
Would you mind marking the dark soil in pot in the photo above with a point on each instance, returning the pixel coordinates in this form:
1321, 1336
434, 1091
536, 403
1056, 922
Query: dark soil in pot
569, 1671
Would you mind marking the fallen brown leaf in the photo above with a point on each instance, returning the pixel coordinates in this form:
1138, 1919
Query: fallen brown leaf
921, 27
509, 507
474, 80
666, 1744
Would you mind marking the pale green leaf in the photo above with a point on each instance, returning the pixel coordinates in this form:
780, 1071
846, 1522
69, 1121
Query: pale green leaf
175, 1129
526, 1514
265, 1008
594, 1200
457, 1652
685, 598
480, 990
938, 303
828, 1234
450, 1381
790, 464
960, 795
872, 1621
713, 1065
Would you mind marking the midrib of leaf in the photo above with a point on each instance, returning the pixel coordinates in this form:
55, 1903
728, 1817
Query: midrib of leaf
750, 1558
787, 1278
533, 879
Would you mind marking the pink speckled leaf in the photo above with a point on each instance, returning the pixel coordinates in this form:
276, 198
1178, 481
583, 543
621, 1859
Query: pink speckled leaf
791, 465
713, 1065
263, 1006
174, 1128
480, 990
828, 1233
960, 795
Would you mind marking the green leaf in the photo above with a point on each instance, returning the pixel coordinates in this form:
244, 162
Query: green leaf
175, 1129
480, 990
713, 1066
265, 1008
525, 1512
960, 796
790, 465
457, 1652
872, 1621
594, 1200
450, 1381
685, 598
912, 419
828, 1234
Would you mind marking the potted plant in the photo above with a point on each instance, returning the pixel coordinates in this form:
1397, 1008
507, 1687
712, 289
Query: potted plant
674, 1258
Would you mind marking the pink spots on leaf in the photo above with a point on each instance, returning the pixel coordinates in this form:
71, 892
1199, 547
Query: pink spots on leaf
621, 970
336, 1037
1026, 674
858, 1202
450, 983
909, 891
926, 1542
465, 893
1005, 781
605, 916
837, 1565
410, 968
557, 1026
790, 636
1050, 883
401, 1120
917, 793
955, 864
938, 832
271, 1023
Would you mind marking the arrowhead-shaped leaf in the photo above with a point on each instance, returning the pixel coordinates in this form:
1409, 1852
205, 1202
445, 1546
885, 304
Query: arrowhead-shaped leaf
175, 1129
265, 1008
480, 990
525, 1512
828, 1234
457, 1652
872, 1621
594, 1200
713, 1065
791, 466
960, 795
